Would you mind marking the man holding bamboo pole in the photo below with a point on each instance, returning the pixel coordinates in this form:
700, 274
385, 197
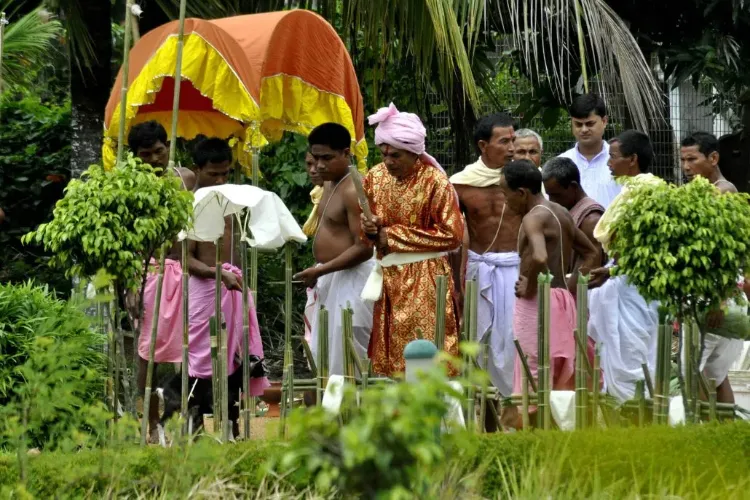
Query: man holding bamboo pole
620, 319
148, 141
213, 160
493, 241
344, 261
416, 222
546, 240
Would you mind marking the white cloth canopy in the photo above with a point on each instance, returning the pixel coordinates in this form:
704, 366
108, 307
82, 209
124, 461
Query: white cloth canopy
268, 219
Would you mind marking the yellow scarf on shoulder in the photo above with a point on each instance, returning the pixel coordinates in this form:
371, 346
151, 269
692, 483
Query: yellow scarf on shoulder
478, 175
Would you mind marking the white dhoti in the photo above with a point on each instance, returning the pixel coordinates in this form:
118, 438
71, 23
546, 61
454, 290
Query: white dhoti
720, 353
625, 326
335, 291
496, 275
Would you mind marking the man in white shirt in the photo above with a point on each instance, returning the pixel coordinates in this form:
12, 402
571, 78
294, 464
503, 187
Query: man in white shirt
588, 116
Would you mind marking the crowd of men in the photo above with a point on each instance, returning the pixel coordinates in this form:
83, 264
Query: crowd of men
500, 221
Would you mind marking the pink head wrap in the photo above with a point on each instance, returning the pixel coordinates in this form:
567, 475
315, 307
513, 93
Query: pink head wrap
402, 131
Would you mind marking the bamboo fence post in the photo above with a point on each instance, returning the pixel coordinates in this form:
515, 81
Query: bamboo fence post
441, 284
226, 425
640, 396
245, 400
581, 334
124, 89
3, 22
215, 387
152, 349
712, 414
525, 401
322, 354
544, 382
483, 395
647, 379
184, 373
595, 397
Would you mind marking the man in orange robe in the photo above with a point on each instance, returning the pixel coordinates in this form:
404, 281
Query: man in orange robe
416, 223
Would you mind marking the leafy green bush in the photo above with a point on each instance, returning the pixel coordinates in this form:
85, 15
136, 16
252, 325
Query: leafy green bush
114, 220
34, 170
683, 245
387, 448
51, 370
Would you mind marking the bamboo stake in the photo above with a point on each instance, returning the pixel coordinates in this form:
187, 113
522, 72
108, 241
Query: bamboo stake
152, 349
322, 378
689, 362
288, 294
640, 396
525, 364
581, 335
524, 400
115, 376
215, 387
659, 414
218, 375
597, 376
3, 22
184, 374
245, 401
226, 425
471, 333
441, 284
647, 379
712, 414
544, 381
483, 395
124, 89
253, 250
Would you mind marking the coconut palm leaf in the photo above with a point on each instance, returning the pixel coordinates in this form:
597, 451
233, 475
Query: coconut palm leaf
80, 41
26, 44
552, 35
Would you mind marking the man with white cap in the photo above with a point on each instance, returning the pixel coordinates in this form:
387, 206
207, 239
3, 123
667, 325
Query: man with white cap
416, 222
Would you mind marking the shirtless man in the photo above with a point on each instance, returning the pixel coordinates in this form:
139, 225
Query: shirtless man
546, 239
699, 155
148, 141
310, 228
492, 244
344, 261
563, 182
213, 161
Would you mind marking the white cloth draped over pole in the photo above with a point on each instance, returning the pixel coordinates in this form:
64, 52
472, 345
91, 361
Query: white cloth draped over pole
268, 220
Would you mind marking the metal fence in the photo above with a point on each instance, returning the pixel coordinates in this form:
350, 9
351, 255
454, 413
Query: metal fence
689, 110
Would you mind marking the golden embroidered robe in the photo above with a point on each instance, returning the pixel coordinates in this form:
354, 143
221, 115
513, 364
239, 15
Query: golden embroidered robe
419, 214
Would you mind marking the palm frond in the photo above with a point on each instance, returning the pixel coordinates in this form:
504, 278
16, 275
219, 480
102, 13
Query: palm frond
26, 44
439, 34
545, 32
81, 44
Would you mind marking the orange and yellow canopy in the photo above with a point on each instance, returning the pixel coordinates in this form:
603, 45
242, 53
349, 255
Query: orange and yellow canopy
252, 77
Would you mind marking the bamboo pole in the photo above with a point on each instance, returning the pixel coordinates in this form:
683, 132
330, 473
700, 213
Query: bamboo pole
647, 379
659, 413
219, 374
226, 425
525, 365
184, 373
215, 387
441, 284
712, 414
322, 378
254, 179
640, 396
595, 392
152, 349
115, 376
581, 334
245, 400
544, 381
177, 83
288, 294
525, 401
124, 88
483, 394
689, 363
3, 22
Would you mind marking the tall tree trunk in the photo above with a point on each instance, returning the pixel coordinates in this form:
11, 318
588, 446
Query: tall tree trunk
89, 88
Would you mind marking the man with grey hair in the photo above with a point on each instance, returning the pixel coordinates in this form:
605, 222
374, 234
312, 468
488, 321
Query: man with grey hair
528, 146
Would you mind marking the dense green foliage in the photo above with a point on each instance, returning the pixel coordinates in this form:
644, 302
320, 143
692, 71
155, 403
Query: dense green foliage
683, 246
696, 462
51, 367
34, 169
112, 220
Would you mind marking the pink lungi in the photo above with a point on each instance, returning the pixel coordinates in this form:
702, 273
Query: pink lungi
562, 342
169, 333
201, 308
